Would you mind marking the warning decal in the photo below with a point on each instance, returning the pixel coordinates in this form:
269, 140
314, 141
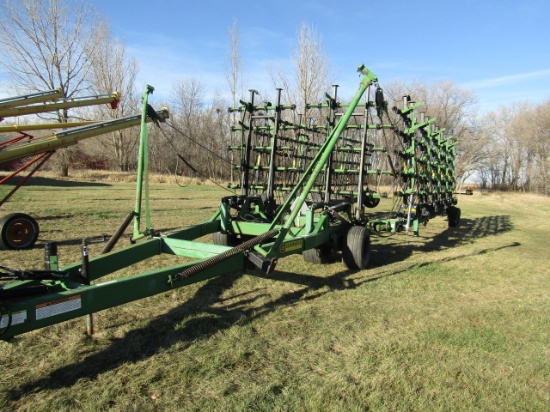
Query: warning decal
292, 245
57, 307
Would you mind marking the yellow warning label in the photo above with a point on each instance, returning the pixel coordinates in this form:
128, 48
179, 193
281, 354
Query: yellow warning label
292, 245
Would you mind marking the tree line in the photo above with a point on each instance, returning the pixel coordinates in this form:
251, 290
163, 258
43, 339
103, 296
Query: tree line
46, 44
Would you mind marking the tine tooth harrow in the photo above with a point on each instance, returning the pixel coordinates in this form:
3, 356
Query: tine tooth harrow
308, 183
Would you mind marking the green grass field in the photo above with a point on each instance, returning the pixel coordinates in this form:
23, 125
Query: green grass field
456, 319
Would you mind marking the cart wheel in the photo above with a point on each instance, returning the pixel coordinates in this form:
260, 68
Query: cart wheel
356, 248
372, 202
319, 255
18, 231
453, 216
224, 239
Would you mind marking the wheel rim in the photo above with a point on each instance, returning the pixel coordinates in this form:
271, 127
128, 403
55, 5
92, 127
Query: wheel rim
20, 233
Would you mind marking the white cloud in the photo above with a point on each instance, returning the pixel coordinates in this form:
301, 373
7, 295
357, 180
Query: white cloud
507, 80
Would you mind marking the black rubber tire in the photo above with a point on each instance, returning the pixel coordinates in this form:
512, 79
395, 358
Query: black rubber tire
18, 231
356, 248
372, 202
321, 255
224, 239
453, 216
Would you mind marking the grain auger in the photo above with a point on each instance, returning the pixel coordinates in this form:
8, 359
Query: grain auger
20, 230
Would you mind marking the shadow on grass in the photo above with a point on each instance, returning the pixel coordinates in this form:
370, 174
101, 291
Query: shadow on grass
46, 181
160, 334
400, 247
447, 259
206, 317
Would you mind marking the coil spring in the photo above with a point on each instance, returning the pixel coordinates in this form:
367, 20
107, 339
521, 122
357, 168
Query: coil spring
199, 267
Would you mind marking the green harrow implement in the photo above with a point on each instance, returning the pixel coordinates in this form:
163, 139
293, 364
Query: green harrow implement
307, 182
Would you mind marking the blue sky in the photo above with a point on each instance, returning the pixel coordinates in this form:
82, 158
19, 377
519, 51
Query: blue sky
497, 49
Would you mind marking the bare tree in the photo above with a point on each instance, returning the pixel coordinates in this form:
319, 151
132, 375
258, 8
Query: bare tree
233, 74
46, 44
234, 66
494, 166
214, 121
187, 105
540, 148
518, 147
112, 70
188, 101
311, 71
529, 134
196, 143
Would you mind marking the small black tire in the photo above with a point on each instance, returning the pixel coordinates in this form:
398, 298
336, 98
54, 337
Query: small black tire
18, 231
453, 216
372, 202
356, 248
224, 239
321, 255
